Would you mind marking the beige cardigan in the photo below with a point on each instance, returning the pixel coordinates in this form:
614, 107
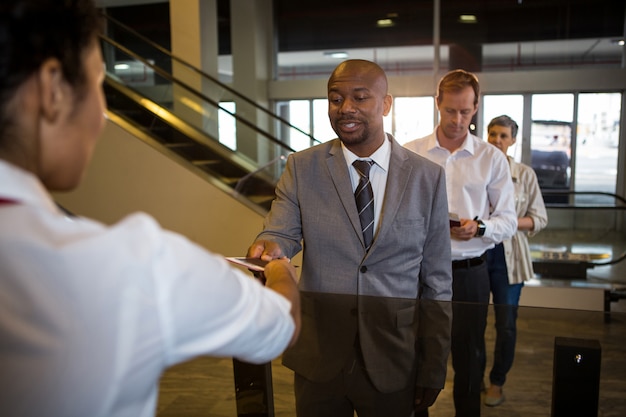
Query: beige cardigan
528, 202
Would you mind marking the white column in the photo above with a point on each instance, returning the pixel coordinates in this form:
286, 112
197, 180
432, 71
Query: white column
252, 49
194, 37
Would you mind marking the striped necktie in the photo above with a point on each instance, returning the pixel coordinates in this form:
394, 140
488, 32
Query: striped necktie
364, 196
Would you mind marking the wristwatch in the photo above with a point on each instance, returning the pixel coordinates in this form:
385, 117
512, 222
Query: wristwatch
480, 232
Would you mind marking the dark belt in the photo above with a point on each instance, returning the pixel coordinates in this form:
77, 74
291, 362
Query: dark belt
468, 263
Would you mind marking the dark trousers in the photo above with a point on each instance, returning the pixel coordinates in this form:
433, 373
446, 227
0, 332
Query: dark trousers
351, 391
506, 300
470, 286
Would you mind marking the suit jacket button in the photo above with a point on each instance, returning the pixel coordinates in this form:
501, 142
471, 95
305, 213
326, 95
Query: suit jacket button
363, 269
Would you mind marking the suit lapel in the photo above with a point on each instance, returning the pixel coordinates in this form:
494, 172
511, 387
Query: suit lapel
397, 179
338, 171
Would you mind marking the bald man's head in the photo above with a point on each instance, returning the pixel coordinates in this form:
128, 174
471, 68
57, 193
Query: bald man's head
357, 103
369, 71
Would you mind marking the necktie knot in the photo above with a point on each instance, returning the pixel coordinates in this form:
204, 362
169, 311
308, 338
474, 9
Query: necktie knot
363, 167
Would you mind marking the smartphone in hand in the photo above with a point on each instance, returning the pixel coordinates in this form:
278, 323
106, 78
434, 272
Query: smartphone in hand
454, 220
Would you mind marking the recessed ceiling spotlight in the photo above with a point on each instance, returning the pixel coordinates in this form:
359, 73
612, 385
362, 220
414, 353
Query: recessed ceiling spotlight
619, 42
336, 55
385, 23
468, 18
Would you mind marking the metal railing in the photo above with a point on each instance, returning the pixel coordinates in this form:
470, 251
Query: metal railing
195, 116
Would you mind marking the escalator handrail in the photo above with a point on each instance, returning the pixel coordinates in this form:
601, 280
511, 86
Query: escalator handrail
205, 75
163, 73
190, 131
621, 257
585, 207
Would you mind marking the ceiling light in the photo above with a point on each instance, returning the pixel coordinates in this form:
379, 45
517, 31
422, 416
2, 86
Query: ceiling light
619, 42
468, 18
122, 66
385, 23
336, 55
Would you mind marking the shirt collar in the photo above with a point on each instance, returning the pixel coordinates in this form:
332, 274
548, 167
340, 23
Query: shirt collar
24, 188
468, 143
381, 156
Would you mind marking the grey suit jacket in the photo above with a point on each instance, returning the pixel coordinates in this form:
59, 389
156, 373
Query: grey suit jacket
348, 293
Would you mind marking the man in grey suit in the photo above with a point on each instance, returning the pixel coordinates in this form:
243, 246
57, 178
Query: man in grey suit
375, 316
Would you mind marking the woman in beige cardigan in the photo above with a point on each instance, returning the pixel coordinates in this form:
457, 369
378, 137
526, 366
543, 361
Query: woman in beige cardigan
509, 262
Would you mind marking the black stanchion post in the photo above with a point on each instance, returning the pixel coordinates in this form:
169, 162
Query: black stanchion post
253, 389
576, 377
253, 383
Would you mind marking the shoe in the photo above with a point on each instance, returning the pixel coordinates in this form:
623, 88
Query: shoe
494, 396
494, 401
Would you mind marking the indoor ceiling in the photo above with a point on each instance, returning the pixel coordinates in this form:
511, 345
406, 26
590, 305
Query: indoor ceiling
505, 29
323, 24
330, 24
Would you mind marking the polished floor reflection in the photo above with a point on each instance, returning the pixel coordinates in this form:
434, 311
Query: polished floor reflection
603, 249
205, 387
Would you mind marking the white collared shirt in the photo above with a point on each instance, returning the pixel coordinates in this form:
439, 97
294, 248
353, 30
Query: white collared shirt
90, 315
378, 174
478, 183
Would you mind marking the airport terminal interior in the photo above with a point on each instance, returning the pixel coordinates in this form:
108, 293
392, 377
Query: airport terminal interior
227, 89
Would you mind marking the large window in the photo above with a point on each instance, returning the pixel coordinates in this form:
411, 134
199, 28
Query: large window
410, 118
413, 117
321, 128
300, 117
550, 143
545, 142
227, 125
596, 143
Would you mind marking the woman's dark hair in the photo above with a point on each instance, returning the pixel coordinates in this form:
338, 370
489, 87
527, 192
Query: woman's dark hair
32, 31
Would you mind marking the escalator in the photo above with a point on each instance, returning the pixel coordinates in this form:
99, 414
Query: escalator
584, 232
195, 119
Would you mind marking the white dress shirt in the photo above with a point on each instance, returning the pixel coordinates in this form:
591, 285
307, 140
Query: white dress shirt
90, 315
479, 185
